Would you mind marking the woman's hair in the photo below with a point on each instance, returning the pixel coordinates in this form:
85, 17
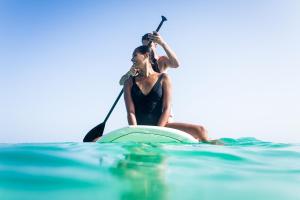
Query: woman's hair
145, 37
154, 62
146, 49
143, 50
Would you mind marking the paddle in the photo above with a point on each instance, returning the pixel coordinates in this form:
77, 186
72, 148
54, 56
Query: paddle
97, 131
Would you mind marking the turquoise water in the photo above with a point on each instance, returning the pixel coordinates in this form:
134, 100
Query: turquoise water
242, 169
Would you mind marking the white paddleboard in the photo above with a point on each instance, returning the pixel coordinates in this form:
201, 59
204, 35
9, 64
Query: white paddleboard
151, 134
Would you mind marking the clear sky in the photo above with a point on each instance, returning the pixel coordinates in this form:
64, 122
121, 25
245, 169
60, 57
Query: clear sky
60, 63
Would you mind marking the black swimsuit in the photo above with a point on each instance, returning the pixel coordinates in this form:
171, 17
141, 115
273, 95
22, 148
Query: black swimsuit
148, 108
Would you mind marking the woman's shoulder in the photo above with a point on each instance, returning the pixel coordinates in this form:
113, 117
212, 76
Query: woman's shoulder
164, 76
162, 62
128, 82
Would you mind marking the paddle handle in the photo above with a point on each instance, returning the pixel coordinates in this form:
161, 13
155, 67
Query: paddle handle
163, 19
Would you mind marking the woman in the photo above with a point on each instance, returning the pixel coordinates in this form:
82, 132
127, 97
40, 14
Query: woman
148, 97
160, 64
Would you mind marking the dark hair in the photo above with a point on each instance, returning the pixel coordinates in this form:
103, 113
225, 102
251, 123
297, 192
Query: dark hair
145, 37
146, 49
143, 49
153, 60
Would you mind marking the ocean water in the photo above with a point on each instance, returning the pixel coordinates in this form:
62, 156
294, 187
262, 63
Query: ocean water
242, 169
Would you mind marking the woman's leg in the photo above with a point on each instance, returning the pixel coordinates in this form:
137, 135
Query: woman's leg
196, 131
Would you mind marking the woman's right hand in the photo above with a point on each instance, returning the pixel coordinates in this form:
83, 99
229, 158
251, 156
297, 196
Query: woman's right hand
133, 71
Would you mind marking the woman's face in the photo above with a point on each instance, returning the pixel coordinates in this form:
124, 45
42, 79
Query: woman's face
137, 59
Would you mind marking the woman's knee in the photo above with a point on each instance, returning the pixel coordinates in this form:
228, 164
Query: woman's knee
201, 132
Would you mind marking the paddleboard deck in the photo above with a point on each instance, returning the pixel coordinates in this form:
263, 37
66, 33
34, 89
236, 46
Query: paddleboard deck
150, 134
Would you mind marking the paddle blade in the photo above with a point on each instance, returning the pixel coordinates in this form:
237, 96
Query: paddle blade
96, 132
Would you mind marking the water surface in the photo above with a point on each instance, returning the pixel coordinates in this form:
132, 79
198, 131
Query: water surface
244, 168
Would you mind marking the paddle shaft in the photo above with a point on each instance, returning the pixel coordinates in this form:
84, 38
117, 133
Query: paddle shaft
121, 92
113, 106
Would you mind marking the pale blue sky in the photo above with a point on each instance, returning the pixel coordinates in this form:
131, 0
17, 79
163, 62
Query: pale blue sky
60, 63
